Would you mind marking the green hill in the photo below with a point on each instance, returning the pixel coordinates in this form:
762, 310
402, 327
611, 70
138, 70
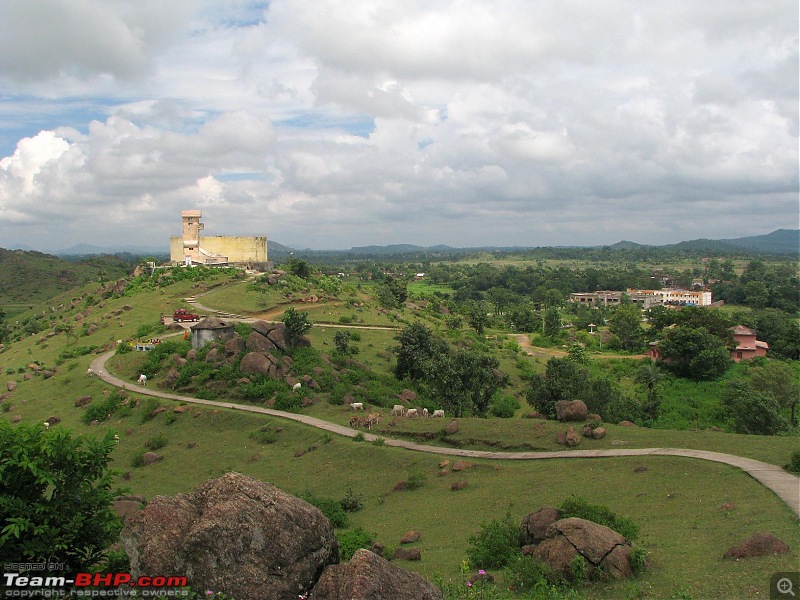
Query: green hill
29, 277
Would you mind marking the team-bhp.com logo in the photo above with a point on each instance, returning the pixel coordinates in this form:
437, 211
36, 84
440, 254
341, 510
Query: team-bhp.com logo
102, 584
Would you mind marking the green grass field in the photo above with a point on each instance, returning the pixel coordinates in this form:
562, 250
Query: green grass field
677, 502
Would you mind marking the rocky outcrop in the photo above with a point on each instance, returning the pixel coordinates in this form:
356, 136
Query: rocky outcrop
535, 524
451, 428
600, 546
369, 577
233, 534
571, 410
761, 544
258, 363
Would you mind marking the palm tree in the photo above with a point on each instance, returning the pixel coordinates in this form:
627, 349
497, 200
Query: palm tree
650, 375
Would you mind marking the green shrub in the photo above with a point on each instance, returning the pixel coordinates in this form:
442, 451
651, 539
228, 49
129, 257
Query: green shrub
495, 545
379, 441
583, 509
264, 436
352, 540
171, 418
289, 402
351, 502
100, 410
359, 437
504, 406
148, 408
138, 459
5, 407
793, 466
156, 442
525, 575
638, 560
579, 569
416, 479
329, 507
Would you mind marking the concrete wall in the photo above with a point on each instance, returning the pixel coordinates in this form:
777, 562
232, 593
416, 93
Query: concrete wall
236, 248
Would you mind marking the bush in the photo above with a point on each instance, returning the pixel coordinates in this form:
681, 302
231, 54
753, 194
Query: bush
331, 508
523, 574
504, 406
100, 410
793, 466
148, 408
288, 402
156, 442
416, 479
579, 569
495, 545
582, 509
264, 436
352, 540
638, 560
351, 502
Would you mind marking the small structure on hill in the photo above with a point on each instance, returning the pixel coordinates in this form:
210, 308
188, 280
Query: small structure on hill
211, 329
218, 250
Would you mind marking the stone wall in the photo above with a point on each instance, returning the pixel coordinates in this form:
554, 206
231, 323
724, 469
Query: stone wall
238, 249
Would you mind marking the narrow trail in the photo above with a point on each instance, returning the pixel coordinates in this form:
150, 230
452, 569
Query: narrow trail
785, 485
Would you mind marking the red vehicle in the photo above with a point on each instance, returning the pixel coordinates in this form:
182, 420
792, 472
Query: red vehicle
181, 314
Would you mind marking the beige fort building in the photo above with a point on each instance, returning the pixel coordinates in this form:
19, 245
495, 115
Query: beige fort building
190, 248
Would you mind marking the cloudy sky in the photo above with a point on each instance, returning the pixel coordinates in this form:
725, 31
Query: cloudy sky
331, 124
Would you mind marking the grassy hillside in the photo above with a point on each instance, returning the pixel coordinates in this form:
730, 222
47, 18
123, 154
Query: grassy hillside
29, 278
689, 511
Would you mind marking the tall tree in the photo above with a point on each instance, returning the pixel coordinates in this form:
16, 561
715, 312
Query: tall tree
552, 323
418, 344
627, 328
463, 382
297, 325
694, 353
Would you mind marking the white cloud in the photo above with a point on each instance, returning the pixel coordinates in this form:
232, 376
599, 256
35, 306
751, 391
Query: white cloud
462, 122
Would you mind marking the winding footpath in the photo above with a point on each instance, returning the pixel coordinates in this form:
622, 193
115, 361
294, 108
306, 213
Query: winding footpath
785, 485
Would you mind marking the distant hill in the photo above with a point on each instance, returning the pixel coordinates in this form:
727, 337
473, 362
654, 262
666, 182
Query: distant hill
781, 241
89, 250
29, 277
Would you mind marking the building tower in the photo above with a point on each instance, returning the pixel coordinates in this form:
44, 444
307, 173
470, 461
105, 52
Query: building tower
191, 236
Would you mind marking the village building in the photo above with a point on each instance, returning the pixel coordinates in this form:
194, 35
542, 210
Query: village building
211, 329
747, 346
644, 298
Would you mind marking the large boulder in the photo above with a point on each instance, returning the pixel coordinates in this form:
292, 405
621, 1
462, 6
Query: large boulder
599, 545
258, 363
571, 410
235, 345
369, 577
535, 524
233, 534
259, 343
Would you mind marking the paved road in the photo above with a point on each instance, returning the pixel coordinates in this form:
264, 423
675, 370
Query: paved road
785, 485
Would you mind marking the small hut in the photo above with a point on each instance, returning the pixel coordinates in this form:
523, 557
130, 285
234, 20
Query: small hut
211, 329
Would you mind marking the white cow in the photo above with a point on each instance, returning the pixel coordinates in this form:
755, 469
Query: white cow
398, 410
142, 379
89, 372
425, 412
411, 412
357, 405
438, 413
297, 386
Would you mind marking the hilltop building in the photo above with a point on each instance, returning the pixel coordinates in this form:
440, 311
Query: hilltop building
190, 249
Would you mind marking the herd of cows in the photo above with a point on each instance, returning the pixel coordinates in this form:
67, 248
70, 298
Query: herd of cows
398, 410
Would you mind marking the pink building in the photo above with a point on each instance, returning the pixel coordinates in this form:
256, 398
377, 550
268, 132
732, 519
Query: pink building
747, 346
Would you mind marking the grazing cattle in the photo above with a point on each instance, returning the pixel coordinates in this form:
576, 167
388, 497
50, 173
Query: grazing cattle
142, 379
411, 412
297, 386
425, 412
354, 422
89, 372
365, 422
398, 410
374, 417
438, 413
357, 405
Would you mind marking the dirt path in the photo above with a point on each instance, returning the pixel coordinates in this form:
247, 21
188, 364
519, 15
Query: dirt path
785, 485
539, 352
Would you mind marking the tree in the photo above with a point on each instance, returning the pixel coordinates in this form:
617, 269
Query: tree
694, 353
650, 375
463, 381
751, 410
477, 317
563, 380
342, 341
418, 344
299, 268
297, 325
627, 328
779, 380
552, 323
4, 329
55, 497
393, 292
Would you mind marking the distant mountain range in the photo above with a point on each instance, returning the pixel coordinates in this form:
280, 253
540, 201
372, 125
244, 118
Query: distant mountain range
781, 241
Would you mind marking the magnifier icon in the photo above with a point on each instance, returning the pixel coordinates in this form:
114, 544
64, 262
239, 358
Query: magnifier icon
784, 586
